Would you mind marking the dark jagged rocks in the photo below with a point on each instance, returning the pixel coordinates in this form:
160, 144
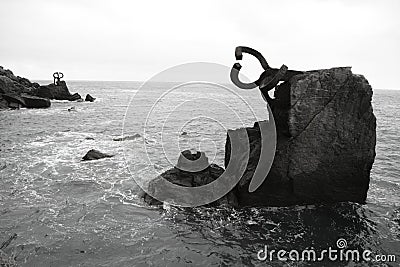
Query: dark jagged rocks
11, 84
95, 154
15, 92
326, 141
18, 92
57, 92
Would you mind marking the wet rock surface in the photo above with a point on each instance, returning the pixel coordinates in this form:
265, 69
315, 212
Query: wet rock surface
35, 102
57, 92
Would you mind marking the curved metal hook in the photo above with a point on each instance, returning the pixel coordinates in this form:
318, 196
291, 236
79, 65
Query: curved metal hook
58, 75
236, 67
248, 50
235, 78
267, 83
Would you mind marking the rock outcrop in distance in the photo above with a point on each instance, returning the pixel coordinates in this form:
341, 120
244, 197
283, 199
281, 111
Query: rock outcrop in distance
57, 92
90, 98
18, 92
326, 142
326, 136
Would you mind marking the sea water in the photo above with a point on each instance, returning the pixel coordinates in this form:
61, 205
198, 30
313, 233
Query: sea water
72, 213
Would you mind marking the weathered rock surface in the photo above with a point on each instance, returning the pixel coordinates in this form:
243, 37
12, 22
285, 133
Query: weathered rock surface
3, 103
13, 98
95, 154
11, 84
16, 91
179, 176
35, 102
13, 87
25, 100
58, 92
326, 142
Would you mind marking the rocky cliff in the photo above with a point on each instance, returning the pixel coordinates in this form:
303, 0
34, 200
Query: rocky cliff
58, 92
325, 141
17, 91
11, 84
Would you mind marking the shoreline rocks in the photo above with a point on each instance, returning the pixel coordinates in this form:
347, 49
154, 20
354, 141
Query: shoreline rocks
57, 92
25, 100
35, 102
16, 92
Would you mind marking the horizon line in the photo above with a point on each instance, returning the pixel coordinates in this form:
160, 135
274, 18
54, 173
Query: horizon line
73, 80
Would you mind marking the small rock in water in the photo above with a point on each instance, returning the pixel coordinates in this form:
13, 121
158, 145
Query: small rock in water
128, 137
72, 109
3, 166
95, 154
89, 98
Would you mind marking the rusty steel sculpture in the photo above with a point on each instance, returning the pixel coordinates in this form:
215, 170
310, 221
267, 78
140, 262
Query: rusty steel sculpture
268, 80
57, 77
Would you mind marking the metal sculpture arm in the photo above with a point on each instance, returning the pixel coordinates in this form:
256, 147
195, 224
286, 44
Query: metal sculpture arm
244, 49
57, 77
268, 80
236, 81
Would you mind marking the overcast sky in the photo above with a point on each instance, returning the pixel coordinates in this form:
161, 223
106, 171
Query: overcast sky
133, 40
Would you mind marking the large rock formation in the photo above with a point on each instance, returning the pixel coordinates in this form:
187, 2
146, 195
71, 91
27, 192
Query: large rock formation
11, 84
326, 141
25, 100
17, 92
35, 102
56, 91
